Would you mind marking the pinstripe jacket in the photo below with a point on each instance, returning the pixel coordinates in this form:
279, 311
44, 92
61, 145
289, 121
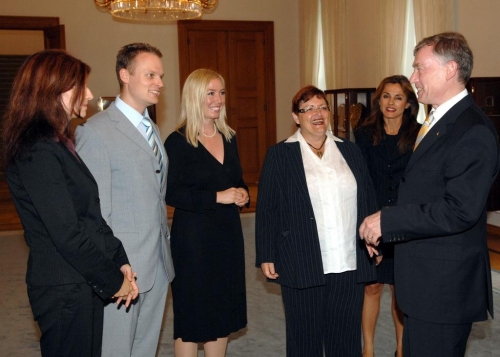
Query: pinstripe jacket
286, 233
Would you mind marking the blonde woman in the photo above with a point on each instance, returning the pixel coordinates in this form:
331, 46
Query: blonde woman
206, 187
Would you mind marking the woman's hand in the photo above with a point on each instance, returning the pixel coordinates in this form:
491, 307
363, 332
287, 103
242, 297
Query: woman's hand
244, 197
268, 270
129, 289
238, 196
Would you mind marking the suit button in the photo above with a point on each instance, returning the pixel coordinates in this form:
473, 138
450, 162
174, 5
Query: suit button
100, 230
403, 179
157, 171
97, 200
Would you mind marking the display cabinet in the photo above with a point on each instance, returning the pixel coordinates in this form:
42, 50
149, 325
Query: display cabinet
486, 93
350, 106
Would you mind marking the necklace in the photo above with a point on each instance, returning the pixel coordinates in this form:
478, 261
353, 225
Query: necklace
318, 150
209, 136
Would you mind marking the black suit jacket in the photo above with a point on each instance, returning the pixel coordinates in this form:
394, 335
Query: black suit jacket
286, 233
57, 200
442, 270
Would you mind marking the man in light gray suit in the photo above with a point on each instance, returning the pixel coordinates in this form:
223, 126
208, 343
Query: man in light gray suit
123, 150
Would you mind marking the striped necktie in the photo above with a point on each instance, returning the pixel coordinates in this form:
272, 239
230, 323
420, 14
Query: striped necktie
151, 138
424, 129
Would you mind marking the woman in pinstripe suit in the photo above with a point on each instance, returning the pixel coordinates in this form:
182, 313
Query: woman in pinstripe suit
314, 191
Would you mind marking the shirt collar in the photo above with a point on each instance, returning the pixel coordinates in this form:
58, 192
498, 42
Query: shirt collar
133, 115
297, 136
443, 108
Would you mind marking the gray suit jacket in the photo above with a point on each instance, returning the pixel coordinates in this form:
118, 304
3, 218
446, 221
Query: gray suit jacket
132, 201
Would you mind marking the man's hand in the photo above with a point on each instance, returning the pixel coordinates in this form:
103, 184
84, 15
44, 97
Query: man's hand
371, 231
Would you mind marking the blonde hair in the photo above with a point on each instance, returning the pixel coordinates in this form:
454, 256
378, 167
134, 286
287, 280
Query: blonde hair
194, 93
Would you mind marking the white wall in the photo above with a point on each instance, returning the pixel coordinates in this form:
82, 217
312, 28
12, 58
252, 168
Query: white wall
477, 21
95, 38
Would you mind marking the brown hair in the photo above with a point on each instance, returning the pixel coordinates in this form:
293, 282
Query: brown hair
127, 54
451, 46
409, 127
35, 107
304, 95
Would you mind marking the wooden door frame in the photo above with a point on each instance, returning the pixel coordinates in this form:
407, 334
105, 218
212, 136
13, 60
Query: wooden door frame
51, 38
267, 27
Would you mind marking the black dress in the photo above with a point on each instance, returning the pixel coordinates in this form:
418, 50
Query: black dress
209, 296
386, 165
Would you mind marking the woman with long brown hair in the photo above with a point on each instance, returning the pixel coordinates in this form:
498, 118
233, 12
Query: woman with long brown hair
74, 262
386, 139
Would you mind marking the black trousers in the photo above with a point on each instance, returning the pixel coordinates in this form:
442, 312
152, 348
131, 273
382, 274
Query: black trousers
421, 338
70, 318
324, 318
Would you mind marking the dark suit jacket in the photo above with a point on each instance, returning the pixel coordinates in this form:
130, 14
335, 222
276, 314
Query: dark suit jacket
57, 200
442, 270
286, 232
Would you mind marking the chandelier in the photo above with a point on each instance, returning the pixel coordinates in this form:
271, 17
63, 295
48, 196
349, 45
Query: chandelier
157, 10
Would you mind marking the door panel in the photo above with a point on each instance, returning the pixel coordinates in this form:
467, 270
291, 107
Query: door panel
248, 104
243, 53
207, 49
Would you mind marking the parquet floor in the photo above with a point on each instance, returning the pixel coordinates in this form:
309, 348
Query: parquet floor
9, 221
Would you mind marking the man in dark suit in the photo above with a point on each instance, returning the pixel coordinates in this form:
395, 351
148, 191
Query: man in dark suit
442, 270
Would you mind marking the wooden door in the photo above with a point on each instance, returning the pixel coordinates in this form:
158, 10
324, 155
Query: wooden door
243, 53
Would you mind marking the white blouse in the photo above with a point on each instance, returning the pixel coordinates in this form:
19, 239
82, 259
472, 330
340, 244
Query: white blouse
333, 192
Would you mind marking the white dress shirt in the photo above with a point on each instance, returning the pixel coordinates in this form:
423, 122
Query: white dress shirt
132, 115
440, 111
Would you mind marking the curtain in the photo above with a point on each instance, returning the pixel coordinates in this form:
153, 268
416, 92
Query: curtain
433, 17
334, 26
391, 25
309, 41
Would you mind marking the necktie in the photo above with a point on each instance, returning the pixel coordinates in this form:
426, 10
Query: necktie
151, 138
424, 129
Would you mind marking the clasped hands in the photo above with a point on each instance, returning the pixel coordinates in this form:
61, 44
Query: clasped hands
236, 195
129, 289
371, 232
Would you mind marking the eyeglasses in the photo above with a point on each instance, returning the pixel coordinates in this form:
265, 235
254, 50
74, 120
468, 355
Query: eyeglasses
312, 108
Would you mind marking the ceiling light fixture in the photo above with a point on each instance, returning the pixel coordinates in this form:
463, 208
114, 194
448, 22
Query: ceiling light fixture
157, 10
